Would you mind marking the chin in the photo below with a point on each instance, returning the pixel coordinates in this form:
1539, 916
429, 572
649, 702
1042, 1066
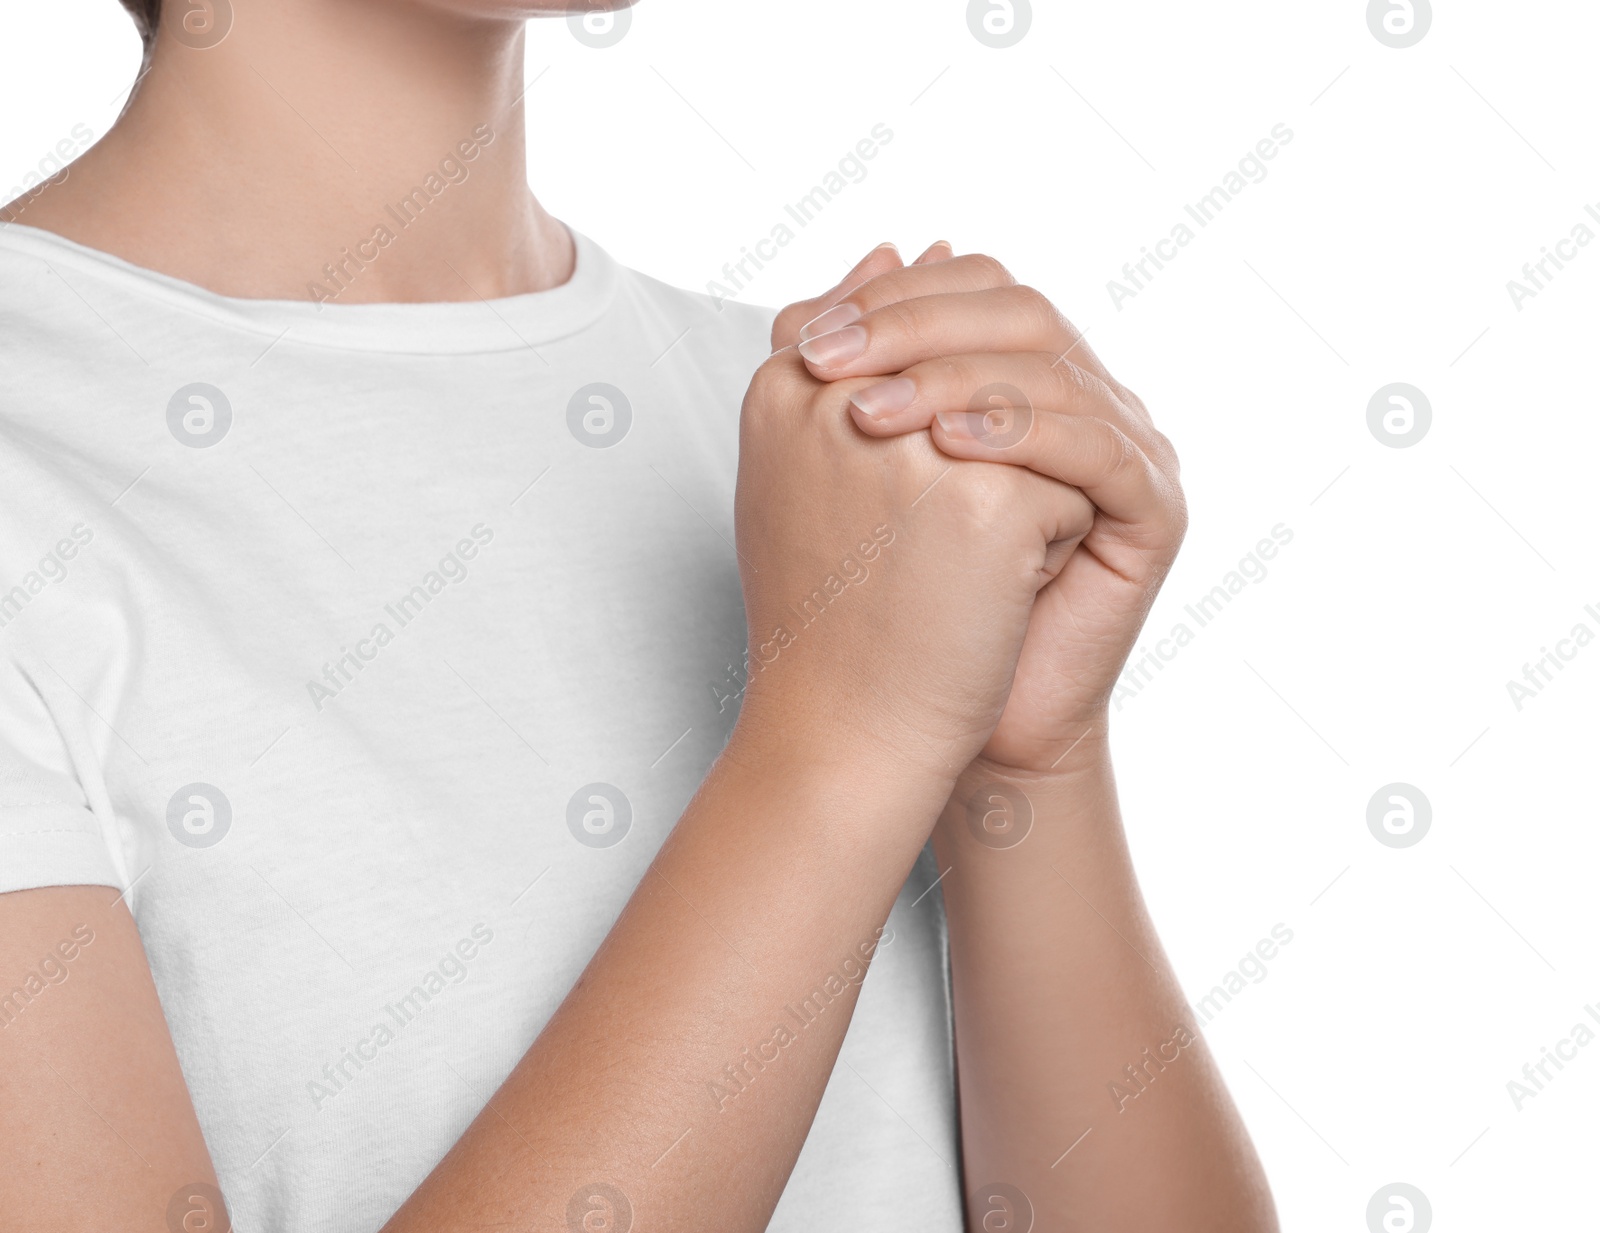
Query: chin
528, 8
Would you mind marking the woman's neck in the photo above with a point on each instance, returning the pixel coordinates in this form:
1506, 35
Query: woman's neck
352, 152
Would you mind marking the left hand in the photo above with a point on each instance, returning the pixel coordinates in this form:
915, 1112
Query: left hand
946, 331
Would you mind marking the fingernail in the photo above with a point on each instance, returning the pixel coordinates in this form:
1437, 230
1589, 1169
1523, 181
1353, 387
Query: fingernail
961, 425
885, 398
889, 244
835, 347
837, 316
928, 254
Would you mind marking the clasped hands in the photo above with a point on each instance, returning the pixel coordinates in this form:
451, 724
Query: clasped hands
1019, 506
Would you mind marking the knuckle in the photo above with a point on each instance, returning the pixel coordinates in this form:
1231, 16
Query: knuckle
1079, 386
1117, 452
1165, 448
1077, 383
775, 382
957, 377
896, 322
1131, 400
1175, 520
768, 375
901, 313
987, 490
990, 269
1035, 307
789, 319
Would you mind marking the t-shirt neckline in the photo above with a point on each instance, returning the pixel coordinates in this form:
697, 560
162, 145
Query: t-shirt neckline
507, 323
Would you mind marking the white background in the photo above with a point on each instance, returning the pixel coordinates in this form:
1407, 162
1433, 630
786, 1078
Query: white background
1418, 581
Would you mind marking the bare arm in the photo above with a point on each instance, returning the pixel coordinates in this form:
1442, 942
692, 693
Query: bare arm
1084, 1081
94, 1113
660, 1074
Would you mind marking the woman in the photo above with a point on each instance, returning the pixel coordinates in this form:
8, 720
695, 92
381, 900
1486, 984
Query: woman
397, 834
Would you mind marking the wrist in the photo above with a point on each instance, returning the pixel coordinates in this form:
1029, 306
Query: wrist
997, 805
853, 774
1081, 750
814, 718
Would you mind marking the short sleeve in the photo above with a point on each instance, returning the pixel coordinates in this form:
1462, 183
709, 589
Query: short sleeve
49, 834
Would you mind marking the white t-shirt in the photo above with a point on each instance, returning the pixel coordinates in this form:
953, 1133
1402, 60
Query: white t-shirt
377, 648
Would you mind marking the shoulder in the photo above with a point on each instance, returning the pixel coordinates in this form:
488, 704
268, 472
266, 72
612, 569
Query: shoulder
32, 293
741, 332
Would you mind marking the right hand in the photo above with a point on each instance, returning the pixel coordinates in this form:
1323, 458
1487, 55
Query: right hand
919, 571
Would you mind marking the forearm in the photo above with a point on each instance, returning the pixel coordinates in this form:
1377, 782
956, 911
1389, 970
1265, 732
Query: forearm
665, 1073
1084, 1082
